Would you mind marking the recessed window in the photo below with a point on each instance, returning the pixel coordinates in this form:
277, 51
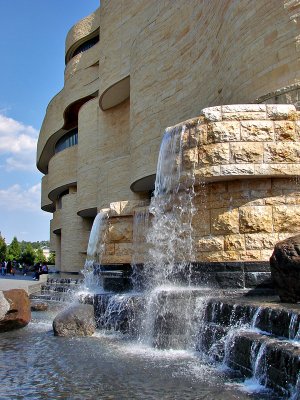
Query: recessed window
86, 45
68, 140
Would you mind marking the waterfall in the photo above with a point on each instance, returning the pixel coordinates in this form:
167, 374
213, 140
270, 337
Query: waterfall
170, 235
167, 319
95, 249
139, 246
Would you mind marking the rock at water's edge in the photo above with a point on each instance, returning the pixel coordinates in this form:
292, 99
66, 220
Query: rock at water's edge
77, 320
18, 314
285, 269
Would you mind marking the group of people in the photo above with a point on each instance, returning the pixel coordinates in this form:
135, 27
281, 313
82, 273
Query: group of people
8, 267
39, 270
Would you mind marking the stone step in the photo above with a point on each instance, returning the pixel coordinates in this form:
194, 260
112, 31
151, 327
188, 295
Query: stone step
63, 297
273, 362
274, 319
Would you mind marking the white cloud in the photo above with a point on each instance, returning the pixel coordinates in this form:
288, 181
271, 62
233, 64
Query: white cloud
17, 144
17, 198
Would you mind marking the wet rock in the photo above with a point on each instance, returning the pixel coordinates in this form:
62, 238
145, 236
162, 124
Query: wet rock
39, 306
77, 320
285, 269
14, 309
4, 306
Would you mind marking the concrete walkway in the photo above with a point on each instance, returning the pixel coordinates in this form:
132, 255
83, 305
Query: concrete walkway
27, 283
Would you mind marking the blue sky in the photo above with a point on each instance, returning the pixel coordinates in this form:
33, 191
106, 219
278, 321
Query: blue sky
32, 43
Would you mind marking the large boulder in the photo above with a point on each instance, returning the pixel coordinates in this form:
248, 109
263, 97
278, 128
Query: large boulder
77, 320
285, 269
14, 309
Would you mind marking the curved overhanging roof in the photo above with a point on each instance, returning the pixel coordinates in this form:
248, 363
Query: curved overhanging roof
145, 184
115, 94
70, 121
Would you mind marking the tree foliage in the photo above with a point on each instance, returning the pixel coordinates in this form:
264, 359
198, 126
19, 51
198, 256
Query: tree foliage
51, 259
3, 248
13, 250
28, 255
39, 256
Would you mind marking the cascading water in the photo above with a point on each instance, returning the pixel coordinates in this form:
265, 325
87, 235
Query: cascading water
170, 235
169, 239
95, 249
140, 228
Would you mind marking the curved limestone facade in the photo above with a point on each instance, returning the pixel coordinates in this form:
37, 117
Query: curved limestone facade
135, 67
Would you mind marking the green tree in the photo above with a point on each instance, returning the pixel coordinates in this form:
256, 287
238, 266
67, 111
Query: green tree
28, 255
39, 256
51, 259
14, 250
3, 248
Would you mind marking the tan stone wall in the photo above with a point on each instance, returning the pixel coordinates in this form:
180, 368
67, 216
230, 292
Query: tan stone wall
62, 170
242, 220
74, 235
119, 231
88, 156
114, 156
204, 54
45, 201
237, 141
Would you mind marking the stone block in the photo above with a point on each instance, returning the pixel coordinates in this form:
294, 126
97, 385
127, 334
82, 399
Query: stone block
286, 152
286, 218
210, 243
201, 223
220, 132
212, 114
285, 131
280, 111
213, 154
234, 242
119, 231
109, 249
190, 158
250, 255
216, 256
285, 183
259, 241
237, 108
257, 131
123, 249
243, 116
237, 170
255, 219
278, 169
224, 221
202, 133
242, 153
206, 172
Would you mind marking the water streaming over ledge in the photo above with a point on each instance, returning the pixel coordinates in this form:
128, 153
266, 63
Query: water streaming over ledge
170, 233
95, 250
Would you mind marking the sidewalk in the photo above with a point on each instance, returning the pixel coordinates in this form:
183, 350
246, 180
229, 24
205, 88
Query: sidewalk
27, 283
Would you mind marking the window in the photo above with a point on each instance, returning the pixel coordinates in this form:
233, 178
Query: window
68, 140
86, 45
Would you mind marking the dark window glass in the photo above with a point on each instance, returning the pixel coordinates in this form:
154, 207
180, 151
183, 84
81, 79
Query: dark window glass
86, 45
68, 140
